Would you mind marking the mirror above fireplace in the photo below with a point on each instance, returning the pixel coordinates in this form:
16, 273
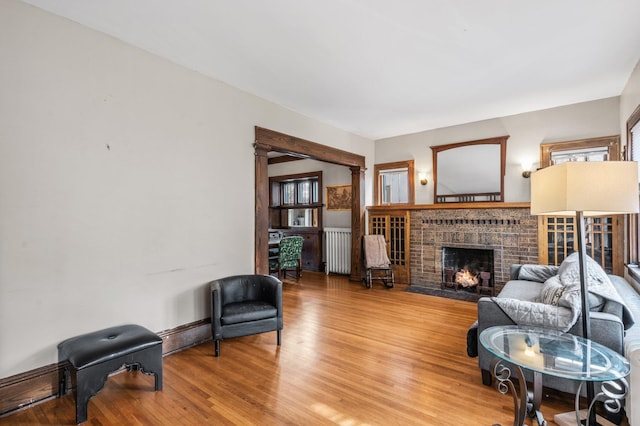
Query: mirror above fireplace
471, 171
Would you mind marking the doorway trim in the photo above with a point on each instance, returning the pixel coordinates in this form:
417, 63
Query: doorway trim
269, 140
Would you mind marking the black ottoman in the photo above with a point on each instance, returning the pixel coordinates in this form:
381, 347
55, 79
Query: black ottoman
92, 356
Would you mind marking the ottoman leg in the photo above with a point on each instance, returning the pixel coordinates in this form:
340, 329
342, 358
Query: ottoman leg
150, 361
88, 382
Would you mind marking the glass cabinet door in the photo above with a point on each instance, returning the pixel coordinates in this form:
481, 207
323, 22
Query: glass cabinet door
558, 237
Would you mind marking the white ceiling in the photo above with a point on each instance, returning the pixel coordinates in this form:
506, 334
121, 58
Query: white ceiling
382, 68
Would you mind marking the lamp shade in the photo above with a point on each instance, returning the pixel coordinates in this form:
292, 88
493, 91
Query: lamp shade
594, 188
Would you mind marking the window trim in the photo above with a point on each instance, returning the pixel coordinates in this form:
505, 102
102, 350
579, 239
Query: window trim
377, 168
633, 224
611, 142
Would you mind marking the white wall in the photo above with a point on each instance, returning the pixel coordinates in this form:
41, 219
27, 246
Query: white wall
527, 131
126, 184
629, 100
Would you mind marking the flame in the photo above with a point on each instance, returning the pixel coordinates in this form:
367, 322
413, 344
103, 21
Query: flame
465, 278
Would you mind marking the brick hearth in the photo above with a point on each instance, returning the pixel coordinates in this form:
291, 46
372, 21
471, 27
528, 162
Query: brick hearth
511, 232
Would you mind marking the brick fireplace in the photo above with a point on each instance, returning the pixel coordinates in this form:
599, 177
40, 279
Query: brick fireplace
509, 233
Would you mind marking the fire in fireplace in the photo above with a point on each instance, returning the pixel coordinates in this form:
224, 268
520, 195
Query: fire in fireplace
467, 268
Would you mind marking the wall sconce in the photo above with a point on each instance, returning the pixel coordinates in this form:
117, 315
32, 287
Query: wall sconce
423, 178
526, 170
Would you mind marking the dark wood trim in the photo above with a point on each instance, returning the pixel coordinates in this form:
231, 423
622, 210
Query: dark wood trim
284, 159
268, 140
38, 385
498, 140
296, 146
357, 222
185, 336
262, 195
28, 388
297, 176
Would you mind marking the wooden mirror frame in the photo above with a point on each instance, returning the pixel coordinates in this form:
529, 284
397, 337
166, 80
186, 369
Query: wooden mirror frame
500, 140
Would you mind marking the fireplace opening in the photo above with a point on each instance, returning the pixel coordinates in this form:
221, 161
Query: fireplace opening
467, 269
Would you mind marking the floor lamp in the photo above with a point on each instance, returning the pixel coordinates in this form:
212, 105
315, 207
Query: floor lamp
585, 189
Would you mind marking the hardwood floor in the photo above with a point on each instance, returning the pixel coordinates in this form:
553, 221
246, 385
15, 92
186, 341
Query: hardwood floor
349, 356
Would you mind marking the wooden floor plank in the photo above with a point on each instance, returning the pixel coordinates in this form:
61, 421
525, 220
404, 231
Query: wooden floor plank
349, 356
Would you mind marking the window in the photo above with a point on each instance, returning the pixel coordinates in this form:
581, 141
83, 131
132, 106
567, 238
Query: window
587, 154
299, 192
604, 235
288, 193
394, 183
295, 200
633, 154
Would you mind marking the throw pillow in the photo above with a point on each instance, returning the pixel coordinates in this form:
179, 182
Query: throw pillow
552, 291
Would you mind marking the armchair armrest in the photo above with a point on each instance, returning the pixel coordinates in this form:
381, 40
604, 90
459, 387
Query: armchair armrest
272, 291
273, 288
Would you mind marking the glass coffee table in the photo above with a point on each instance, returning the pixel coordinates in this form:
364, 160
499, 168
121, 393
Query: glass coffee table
557, 354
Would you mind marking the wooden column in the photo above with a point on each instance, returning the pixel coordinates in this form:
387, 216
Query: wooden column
262, 209
357, 221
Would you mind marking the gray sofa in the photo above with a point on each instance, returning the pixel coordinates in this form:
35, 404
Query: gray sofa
607, 327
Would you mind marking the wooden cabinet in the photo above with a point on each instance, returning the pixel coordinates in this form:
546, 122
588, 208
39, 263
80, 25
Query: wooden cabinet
311, 247
394, 225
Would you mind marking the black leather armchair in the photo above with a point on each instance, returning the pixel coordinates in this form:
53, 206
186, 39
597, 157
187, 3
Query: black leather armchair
245, 304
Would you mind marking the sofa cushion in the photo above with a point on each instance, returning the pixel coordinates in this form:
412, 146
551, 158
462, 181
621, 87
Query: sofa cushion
234, 313
522, 290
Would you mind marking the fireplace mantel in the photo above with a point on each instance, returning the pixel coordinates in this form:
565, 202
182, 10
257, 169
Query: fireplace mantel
449, 206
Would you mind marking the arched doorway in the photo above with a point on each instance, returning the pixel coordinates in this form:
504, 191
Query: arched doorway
268, 140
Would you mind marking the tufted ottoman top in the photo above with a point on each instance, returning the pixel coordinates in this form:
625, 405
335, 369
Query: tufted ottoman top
99, 346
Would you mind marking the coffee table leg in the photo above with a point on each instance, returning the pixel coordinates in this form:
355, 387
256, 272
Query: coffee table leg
528, 403
611, 394
535, 399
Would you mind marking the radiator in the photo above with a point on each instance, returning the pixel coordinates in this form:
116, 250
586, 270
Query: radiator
338, 250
